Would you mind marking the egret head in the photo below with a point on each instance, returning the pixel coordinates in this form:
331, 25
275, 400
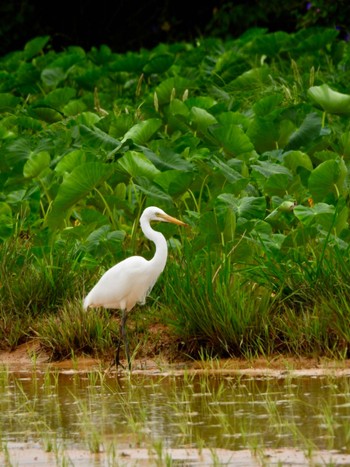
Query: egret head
153, 213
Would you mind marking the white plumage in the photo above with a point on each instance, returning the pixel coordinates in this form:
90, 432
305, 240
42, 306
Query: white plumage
130, 281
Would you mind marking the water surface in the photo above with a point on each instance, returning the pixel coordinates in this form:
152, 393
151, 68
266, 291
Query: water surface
93, 412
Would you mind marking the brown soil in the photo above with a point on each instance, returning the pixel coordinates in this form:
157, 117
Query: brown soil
30, 454
27, 355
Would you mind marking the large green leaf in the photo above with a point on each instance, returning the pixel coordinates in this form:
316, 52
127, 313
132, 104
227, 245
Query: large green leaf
36, 164
314, 39
75, 187
35, 46
8, 102
295, 159
167, 159
274, 179
330, 101
143, 131
250, 80
232, 140
51, 77
153, 192
97, 138
328, 179
70, 160
249, 207
174, 182
326, 215
202, 119
158, 63
308, 131
136, 164
172, 87
236, 180
270, 44
58, 97
320, 212
130, 61
263, 133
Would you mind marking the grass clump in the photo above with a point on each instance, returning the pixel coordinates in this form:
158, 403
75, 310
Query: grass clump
73, 331
264, 309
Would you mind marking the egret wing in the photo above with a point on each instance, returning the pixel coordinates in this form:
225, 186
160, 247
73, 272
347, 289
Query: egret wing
123, 285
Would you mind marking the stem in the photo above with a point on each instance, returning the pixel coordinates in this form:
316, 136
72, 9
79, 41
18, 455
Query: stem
110, 214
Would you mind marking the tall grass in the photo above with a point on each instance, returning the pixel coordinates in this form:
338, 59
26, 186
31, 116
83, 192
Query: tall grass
220, 309
34, 283
287, 305
73, 331
294, 304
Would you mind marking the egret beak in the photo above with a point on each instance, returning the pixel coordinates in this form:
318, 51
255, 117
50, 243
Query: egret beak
173, 220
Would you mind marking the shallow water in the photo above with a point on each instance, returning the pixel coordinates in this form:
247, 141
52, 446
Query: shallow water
97, 413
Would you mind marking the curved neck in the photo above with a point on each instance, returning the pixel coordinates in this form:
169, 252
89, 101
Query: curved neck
160, 256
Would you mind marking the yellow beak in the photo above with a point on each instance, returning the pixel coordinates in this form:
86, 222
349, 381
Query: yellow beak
173, 220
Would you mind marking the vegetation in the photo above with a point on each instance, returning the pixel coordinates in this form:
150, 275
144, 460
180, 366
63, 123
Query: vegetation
247, 139
211, 419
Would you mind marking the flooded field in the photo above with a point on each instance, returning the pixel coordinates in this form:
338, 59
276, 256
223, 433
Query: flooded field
70, 417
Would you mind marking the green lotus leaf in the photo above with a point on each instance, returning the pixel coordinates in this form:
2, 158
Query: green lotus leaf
327, 179
232, 139
236, 180
172, 87
249, 207
143, 131
130, 61
159, 63
136, 164
329, 100
53, 76
70, 160
321, 212
178, 107
75, 187
174, 182
59, 97
309, 131
249, 80
202, 119
96, 138
294, 159
104, 237
8, 101
36, 164
35, 46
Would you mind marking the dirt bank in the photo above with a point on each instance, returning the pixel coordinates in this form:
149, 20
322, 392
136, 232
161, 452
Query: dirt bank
27, 355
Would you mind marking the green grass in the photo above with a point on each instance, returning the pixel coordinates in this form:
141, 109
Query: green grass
298, 306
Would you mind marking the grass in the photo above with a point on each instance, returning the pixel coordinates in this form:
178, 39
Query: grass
202, 305
294, 306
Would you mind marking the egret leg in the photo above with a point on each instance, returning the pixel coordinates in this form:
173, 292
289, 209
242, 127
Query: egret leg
125, 338
117, 361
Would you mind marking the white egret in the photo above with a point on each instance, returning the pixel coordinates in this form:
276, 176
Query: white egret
130, 281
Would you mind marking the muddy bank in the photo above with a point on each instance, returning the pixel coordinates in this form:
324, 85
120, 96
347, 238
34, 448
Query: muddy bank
31, 453
29, 355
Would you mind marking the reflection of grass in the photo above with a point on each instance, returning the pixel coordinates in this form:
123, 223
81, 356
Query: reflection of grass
161, 413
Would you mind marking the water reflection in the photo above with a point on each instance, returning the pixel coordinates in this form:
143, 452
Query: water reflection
236, 413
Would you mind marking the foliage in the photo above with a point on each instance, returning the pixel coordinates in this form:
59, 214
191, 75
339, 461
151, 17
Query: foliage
247, 138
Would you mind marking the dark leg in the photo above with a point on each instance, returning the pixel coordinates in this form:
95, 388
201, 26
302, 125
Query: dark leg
117, 359
125, 338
